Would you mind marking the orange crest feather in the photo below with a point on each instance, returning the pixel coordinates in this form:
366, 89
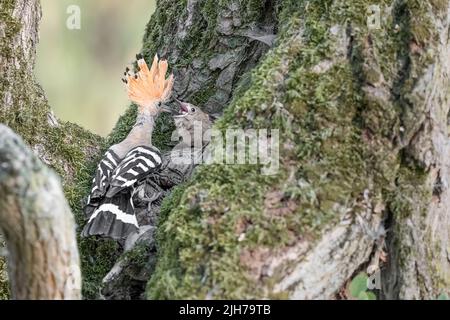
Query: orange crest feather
150, 86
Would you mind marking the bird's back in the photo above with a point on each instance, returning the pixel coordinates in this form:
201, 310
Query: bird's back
109, 208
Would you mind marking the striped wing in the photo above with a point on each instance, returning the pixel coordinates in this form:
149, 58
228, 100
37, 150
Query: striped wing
103, 175
138, 163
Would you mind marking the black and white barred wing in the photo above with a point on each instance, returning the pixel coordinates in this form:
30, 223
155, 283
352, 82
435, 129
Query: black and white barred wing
114, 217
138, 163
102, 178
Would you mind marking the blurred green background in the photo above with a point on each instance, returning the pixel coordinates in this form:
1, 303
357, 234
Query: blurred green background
80, 70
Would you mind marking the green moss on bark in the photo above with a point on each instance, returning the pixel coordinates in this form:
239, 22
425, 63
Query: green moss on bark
336, 143
69, 149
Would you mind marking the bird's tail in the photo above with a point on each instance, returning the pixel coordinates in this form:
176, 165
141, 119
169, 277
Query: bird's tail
114, 218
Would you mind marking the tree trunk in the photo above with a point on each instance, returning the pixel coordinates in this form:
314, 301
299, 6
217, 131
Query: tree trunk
362, 113
65, 147
38, 226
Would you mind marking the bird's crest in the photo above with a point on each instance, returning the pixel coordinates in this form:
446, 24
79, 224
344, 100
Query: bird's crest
148, 87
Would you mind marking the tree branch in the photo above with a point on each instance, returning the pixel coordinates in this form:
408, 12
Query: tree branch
38, 226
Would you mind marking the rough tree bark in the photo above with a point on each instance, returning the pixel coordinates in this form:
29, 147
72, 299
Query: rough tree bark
38, 226
362, 114
364, 151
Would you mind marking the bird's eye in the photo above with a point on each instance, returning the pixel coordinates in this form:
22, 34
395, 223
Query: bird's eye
192, 109
159, 104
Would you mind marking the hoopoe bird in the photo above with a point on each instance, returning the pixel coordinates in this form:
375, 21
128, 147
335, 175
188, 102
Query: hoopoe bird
109, 208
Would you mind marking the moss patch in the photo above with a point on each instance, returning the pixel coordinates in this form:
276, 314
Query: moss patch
337, 141
4, 285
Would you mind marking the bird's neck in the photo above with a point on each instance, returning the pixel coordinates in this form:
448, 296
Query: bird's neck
141, 133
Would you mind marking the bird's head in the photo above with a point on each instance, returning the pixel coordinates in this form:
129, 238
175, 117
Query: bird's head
189, 116
149, 88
